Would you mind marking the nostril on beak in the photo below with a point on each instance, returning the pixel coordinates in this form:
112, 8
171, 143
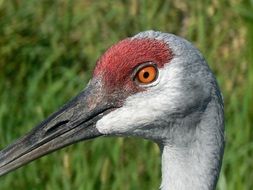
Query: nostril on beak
56, 127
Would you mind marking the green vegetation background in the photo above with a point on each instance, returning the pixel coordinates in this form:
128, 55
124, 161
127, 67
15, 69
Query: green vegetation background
48, 50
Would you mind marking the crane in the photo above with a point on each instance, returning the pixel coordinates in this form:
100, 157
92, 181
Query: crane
153, 85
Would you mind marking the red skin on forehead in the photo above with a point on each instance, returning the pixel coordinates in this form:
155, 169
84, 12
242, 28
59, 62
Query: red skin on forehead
116, 66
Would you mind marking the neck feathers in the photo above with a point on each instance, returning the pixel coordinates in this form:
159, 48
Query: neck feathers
196, 164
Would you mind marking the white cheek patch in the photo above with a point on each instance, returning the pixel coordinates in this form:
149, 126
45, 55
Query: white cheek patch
145, 107
137, 111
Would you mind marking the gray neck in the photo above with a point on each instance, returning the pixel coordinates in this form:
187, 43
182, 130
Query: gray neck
195, 163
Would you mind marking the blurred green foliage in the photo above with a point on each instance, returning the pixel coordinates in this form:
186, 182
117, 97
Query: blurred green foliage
48, 50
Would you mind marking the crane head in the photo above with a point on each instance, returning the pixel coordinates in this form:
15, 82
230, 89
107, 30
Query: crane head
141, 87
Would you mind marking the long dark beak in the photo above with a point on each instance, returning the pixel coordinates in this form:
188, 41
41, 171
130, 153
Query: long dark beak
72, 123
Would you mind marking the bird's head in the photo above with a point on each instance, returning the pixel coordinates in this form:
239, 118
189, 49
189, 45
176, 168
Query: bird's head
148, 85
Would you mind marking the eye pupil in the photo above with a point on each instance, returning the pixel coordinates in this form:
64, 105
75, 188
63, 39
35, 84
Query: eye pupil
146, 75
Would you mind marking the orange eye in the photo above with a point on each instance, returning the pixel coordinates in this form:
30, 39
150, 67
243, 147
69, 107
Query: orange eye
147, 74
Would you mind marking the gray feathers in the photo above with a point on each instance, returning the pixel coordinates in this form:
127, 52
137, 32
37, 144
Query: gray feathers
182, 112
